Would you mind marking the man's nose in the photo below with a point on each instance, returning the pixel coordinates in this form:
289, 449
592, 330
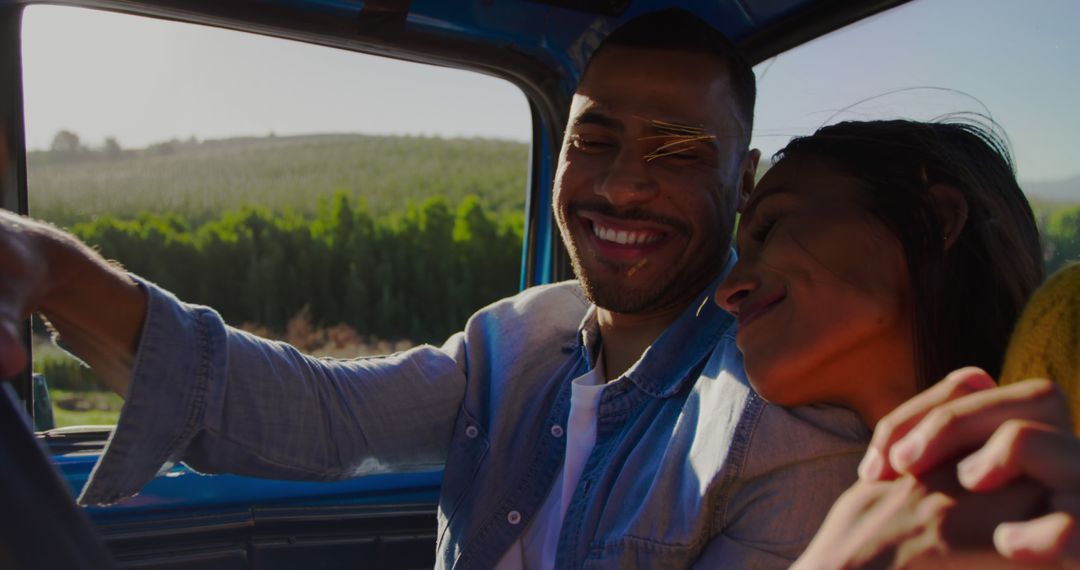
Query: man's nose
735, 288
627, 180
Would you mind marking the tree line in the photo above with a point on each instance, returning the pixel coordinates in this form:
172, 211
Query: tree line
416, 275
1061, 238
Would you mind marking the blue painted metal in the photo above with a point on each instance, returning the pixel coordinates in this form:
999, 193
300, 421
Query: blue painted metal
183, 490
540, 246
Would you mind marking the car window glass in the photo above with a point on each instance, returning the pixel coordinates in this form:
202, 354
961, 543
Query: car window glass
348, 204
1011, 62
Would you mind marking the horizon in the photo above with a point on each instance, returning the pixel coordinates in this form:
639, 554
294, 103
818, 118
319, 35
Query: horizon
272, 135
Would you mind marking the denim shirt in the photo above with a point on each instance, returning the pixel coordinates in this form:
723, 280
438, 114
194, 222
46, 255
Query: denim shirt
690, 465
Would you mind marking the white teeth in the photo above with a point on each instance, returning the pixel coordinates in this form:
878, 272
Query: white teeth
624, 237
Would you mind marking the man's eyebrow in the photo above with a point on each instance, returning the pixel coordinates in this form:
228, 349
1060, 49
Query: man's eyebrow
678, 137
676, 128
599, 119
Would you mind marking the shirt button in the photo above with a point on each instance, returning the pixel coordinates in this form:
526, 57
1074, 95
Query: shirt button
513, 517
556, 430
471, 432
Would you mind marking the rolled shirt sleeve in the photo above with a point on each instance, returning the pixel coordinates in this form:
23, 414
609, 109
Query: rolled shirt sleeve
223, 400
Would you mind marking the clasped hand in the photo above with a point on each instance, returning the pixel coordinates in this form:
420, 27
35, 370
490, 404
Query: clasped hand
964, 475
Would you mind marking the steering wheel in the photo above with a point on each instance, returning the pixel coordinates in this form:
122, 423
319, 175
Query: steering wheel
40, 524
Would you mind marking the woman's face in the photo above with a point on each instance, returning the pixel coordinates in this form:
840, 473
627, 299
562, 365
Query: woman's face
821, 293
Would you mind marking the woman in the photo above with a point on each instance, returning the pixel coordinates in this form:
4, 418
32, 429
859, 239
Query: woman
874, 258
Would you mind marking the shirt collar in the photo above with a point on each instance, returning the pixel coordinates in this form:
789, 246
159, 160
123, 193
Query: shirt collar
683, 347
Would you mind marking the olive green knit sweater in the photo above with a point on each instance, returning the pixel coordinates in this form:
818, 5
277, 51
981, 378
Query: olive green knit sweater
1046, 341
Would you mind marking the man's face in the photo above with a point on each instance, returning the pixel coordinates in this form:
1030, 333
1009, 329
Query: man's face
649, 177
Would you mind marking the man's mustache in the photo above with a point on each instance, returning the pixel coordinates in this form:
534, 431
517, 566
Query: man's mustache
629, 214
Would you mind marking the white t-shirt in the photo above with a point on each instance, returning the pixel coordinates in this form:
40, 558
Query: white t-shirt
539, 543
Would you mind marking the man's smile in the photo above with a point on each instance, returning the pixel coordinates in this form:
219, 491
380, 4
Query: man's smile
625, 237
618, 238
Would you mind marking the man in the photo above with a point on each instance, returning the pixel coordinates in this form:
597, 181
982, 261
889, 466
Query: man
562, 442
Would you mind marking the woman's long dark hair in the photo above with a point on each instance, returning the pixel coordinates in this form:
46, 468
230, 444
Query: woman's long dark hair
966, 298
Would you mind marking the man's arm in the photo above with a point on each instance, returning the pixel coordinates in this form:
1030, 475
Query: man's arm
94, 306
798, 461
221, 399
225, 401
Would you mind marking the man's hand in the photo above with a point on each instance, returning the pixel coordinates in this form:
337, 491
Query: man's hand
97, 309
22, 278
1001, 436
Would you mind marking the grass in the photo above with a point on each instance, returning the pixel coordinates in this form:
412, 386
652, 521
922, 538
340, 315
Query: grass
65, 418
72, 408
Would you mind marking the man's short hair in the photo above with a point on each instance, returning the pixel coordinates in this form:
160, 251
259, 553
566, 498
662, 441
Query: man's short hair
680, 30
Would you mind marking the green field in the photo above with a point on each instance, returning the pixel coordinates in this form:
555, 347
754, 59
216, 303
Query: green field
199, 180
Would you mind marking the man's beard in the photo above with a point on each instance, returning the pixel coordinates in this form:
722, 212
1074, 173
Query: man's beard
616, 297
614, 294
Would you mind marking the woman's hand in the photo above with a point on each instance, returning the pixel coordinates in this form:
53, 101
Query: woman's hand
998, 438
932, 522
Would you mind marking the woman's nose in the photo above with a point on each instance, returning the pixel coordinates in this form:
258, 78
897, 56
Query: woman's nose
736, 287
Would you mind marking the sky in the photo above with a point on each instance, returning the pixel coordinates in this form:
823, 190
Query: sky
143, 81
1018, 62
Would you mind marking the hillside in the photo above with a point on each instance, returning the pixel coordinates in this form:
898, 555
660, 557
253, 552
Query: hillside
202, 179
1066, 191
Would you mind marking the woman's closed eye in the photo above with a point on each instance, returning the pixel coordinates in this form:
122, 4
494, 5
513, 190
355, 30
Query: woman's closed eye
762, 218
761, 226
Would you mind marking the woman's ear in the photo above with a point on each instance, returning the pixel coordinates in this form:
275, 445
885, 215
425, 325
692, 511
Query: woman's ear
951, 209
